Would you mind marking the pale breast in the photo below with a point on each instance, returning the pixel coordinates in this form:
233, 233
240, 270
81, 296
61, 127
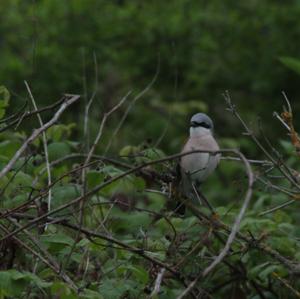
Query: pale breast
200, 165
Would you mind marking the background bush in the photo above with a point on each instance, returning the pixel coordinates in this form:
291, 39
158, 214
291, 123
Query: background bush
175, 58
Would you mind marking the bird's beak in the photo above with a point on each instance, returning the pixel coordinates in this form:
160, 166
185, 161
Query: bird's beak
194, 124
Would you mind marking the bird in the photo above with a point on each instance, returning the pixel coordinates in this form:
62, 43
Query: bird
196, 167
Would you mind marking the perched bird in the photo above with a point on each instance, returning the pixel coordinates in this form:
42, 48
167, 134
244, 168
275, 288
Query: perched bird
196, 167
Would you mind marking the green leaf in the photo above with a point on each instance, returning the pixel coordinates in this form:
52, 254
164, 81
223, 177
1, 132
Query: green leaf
258, 225
83, 243
116, 288
127, 184
138, 272
132, 222
111, 170
254, 272
264, 270
20, 181
6, 284
10, 203
9, 147
4, 100
153, 153
13, 282
287, 146
291, 63
57, 242
128, 150
94, 178
62, 291
58, 150
89, 294
57, 239
269, 270
281, 217
60, 132
64, 194
156, 201
284, 244
3, 161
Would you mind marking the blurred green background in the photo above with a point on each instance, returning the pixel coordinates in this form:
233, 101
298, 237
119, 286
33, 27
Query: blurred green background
199, 49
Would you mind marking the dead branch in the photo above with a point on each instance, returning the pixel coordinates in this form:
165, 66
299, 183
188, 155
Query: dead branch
37, 132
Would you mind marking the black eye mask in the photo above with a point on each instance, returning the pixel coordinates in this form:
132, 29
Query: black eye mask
202, 124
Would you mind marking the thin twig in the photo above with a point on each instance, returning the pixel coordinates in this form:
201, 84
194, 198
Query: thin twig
111, 180
286, 284
249, 132
37, 132
281, 120
41, 258
158, 282
288, 102
89, 104
272, 210
133, 102
100, 131
52, 263
28, 114
44, 137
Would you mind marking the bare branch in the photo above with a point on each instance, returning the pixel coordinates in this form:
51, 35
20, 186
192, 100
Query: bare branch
44, 144
133, 102
37, 132
158, 282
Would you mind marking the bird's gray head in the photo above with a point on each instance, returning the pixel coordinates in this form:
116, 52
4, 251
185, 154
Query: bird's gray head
201, 124
202, 120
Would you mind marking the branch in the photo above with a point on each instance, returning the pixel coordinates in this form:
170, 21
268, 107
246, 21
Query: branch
158, 281
37, 132
28, 114
44, 144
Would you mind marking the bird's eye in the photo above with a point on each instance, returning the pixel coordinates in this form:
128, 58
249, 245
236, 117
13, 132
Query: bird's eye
200, 124
204, 124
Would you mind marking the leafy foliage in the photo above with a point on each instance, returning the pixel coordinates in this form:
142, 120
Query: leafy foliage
110, 235
112, 230
4, 100
291, 63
